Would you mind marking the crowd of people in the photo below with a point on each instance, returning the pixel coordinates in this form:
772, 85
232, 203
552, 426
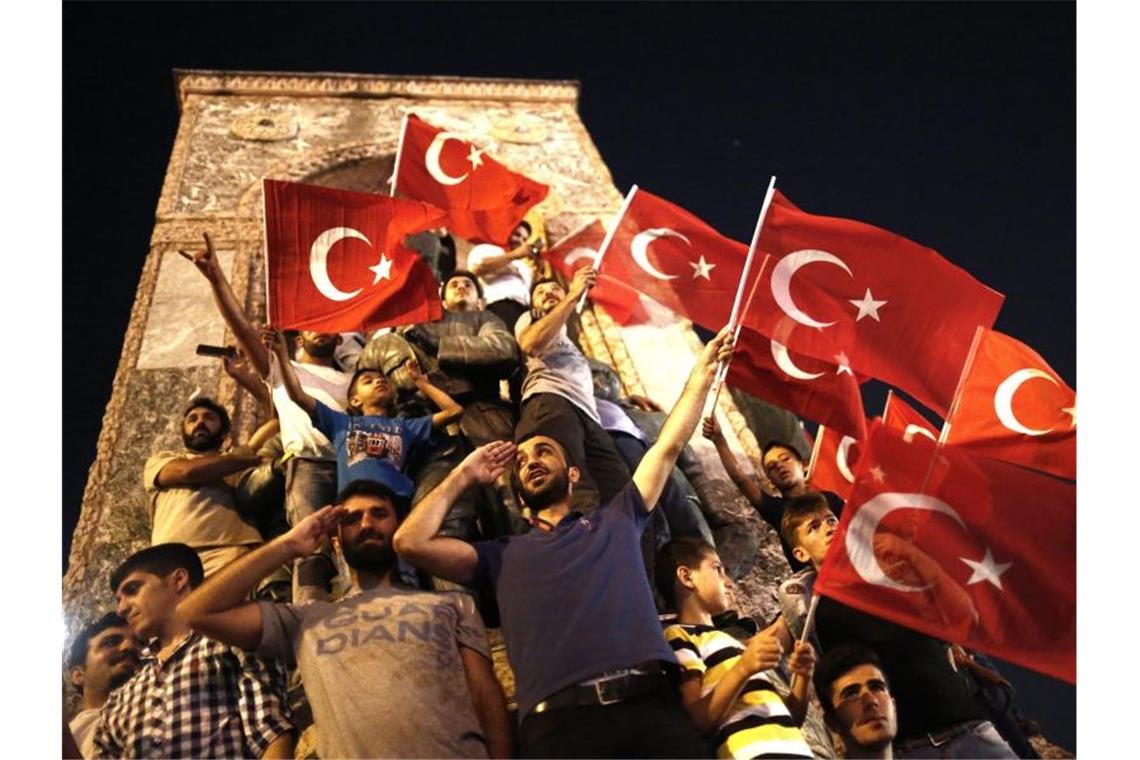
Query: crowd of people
411, 487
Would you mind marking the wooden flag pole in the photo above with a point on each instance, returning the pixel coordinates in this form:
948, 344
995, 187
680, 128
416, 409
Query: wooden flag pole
608, 239
816, 445
399, 152
945, 433
265, 254
887, 405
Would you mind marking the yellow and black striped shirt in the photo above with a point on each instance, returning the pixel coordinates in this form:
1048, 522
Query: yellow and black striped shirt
758, 724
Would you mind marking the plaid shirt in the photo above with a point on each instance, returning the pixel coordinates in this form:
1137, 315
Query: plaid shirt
208, 700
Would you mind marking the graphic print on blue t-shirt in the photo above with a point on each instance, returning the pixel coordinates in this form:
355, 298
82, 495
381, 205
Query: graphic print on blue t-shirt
373, 447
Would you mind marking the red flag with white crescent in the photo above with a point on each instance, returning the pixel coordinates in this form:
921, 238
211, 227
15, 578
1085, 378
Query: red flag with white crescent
676, 259
817, 391
336, 260
898, 310
579, 249
1015, 407
834, 461
960, 547
484, 200
904, 418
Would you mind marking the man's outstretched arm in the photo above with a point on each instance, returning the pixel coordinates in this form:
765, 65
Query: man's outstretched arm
220, 609
231, 310
657, 464
417, 539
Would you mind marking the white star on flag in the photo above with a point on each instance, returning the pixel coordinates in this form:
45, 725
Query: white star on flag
878, 474
383, 270
1072, 412
702, 268
844, 364
986, 569
476, 157
868, 306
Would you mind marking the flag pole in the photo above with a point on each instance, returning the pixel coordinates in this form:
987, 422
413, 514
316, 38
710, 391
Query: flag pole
399, 152
722, 369
806, 632
887, 405
265, 255
945, 433
816, 445
608, 239
737, 303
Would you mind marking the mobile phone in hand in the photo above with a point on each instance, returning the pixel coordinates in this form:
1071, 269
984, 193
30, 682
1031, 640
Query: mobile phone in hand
205, 349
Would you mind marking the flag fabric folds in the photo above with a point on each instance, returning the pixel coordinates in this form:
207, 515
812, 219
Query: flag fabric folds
580, 248
901, 416
834, 461
336, 260
1014, 407
676, 259
895, 309
484, 200
961, 547
809, 388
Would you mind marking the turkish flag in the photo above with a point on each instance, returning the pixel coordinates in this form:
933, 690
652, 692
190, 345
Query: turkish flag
814, 390
833, 462
337, 263
962, 548
904, 418
579, 249
676, 259
484, 200
1014, 407
898, 310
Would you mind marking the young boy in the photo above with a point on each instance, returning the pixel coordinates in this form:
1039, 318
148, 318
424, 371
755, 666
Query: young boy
370, 443
807, 526
723, 685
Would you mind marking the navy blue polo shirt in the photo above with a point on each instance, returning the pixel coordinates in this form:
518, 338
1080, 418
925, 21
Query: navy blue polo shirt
575, 602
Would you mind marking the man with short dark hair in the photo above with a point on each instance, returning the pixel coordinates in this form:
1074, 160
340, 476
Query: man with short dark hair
103, 657
857, 702
389, 670
507, 275
193, 696
589, 656
558, 392
190, 500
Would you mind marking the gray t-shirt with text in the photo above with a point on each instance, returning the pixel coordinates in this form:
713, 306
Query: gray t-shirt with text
382, 670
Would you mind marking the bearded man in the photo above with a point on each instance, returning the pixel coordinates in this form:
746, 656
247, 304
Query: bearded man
189, 498
389, 670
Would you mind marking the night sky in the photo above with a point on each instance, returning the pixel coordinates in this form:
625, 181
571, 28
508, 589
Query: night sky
951, 124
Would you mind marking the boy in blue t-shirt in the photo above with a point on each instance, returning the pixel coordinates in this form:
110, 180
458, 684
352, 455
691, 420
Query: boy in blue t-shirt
371, 444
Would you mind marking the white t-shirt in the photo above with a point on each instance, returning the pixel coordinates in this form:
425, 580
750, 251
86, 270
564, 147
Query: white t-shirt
510, 283
83, 730
327, 385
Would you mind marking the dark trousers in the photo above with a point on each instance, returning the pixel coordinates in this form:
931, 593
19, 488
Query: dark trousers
587, 444
654, 725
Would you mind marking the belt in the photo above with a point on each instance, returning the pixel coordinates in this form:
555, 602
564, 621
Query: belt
940, 738
605, 691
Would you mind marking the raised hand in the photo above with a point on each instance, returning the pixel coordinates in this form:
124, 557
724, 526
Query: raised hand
762, 652
415, 373
802, 659
584, 279
274, 341
710, 429
206, 261
486, 463
717, 350
312, 533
